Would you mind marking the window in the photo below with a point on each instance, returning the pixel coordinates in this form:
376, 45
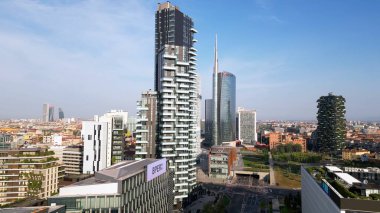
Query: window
89, 137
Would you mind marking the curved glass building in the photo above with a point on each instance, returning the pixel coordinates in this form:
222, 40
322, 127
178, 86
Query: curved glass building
226, 107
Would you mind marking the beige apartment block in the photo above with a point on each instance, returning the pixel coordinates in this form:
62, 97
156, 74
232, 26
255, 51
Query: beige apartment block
27, 172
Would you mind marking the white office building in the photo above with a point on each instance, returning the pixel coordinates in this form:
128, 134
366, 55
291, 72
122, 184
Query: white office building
117, 121
94, 135
246, 126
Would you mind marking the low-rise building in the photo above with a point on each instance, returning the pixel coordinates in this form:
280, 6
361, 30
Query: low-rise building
276, 139
331, 190
369, 174
221, 159
27, 172
35, 209
128, 186
353, 154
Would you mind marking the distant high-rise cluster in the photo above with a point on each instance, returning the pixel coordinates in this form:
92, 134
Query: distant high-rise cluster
48, 113
331, 130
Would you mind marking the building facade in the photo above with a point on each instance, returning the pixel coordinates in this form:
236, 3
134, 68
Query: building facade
117, 121
27, 172
94, 136
73, 160
209, 121
353, 154
331, 130
61, 115
226, 107
319, 195
176, 86
221, 160
146, 125
47, 113
246, 123
129, 186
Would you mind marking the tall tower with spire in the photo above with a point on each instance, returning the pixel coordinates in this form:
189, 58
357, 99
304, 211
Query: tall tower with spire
224, 103
215, 95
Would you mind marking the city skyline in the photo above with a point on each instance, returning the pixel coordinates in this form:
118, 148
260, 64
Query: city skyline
81, 52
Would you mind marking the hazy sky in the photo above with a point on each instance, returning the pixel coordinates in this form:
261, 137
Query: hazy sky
92, 56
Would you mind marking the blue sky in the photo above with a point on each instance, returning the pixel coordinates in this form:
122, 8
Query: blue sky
91, 56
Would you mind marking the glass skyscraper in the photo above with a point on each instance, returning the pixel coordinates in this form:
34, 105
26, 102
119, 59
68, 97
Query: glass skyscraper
226, 107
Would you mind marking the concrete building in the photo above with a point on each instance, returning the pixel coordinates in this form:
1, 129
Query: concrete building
128, 186
58, 152
198, 107
27, 172
35, 209
5, 141
221, 160
369, 174
117, 121
318, 193
353, 154
276, 139
176, 86
73, 160
331, 130
131, 124
246, 124
146, 125
95, 140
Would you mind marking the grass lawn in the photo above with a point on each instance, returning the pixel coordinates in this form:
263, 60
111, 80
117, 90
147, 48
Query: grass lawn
287, 179
254, 165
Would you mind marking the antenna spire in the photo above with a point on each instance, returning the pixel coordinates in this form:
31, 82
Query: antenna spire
216, 54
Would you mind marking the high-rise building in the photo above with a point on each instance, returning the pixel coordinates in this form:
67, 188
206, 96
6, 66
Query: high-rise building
176, 85
47, 113
131, 124
146, 125
246, 123
226, 107
331, 130
61, 115
215, 124
94, 136
117, 127
129, 186
51, 113
199, 115
224, 104
208, 121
